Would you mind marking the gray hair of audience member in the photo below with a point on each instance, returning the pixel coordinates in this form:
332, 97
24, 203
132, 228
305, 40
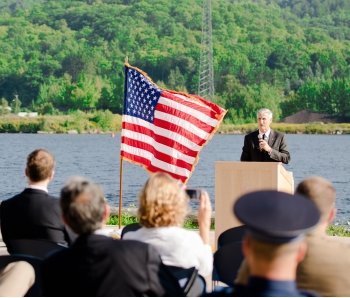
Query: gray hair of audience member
40, 165
83, 205
321, 192
264, 111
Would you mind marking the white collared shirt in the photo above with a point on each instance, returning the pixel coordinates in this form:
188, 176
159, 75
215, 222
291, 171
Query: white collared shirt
267, 134
40, 187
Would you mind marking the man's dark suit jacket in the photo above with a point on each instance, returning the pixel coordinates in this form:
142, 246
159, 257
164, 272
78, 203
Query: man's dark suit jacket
97, 265
251, 151
33, 214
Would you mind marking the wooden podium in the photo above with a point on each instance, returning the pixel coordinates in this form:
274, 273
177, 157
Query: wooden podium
235, 178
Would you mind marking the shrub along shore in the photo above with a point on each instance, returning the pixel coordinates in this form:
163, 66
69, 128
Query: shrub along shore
106, 122
192, 223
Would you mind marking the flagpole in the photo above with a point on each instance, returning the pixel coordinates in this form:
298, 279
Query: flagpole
120, 192
121, 160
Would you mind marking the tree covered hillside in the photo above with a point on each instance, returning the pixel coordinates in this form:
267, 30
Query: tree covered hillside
64, 55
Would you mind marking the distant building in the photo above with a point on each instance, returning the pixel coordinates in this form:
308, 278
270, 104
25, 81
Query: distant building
28, 114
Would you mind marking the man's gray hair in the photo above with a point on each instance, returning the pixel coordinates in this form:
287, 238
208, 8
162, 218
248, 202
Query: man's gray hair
83, 205
264, 111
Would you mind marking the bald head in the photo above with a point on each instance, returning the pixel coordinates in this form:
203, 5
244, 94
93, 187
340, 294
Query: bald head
321, 192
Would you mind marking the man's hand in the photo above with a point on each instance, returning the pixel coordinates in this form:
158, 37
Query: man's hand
263, 145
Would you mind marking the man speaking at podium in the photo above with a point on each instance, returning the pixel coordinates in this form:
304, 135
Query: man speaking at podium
265, 144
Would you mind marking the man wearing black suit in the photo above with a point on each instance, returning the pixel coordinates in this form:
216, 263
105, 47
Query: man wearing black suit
98, 265
34, 214
265, 144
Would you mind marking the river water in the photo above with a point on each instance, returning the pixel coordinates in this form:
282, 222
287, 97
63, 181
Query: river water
97, 157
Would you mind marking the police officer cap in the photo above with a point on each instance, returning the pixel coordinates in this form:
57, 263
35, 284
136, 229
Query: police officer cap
276, 217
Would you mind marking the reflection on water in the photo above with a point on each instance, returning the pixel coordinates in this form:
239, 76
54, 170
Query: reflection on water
97, 157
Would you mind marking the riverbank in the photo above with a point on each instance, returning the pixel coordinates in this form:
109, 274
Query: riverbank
105, 122
129, 215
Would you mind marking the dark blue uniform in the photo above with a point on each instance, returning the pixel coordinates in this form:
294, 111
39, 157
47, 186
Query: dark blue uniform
261, 287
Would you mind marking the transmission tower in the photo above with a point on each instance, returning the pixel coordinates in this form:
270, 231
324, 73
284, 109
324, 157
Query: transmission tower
206, 69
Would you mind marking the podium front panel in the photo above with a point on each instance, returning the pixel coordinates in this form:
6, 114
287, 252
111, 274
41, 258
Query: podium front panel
233, 179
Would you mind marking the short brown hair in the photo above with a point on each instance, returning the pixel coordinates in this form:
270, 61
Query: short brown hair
270, 251
321, 192
163, 202
40, 165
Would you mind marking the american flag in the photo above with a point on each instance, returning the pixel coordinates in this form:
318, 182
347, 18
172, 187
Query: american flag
164, 130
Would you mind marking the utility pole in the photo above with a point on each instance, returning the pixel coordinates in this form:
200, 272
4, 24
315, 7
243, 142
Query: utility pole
206, 69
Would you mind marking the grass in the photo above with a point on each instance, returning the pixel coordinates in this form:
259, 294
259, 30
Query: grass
338, 231
126, 220
129, 219
192, 224
291, 128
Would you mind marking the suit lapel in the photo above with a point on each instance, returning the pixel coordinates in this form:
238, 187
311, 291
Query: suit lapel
272, 138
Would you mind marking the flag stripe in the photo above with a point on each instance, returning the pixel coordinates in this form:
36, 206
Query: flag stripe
143, 161
171, 138
195, 109
130, 135
184, 119
160, 155
171, 168
174, 127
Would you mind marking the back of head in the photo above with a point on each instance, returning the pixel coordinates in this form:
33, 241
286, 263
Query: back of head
269, 251
321, 192
40, 165
83, 205
162, 202
276, 223
276, 217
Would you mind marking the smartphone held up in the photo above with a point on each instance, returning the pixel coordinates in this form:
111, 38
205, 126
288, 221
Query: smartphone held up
193, 193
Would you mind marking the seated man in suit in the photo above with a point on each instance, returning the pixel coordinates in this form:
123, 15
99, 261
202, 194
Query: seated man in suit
274, 243
323, 270
98, 265
34, 214
265, 144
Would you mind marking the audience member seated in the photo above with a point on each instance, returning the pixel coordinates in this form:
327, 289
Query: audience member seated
98, 265
325, 268
322, 270
16, 278
274, 243
163, 206
34, 214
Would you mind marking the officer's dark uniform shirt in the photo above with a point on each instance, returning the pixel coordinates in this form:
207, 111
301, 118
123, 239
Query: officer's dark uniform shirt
261, 287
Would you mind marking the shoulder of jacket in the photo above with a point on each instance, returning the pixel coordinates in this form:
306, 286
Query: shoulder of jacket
255, 132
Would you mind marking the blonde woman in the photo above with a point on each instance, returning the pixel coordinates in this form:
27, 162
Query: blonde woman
163, 206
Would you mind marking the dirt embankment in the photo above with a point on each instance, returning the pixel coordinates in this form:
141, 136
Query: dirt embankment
307, 117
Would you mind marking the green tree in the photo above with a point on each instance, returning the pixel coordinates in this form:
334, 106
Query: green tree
16, 105
4, 107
